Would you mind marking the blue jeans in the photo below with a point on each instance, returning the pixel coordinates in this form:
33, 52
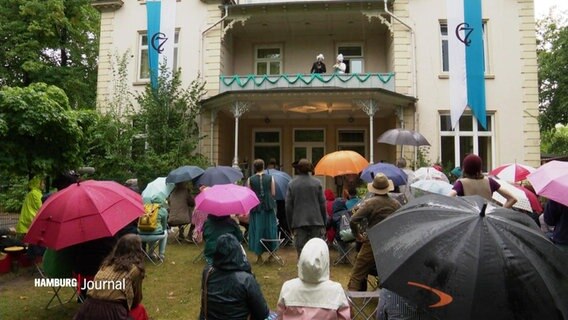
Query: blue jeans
151, 239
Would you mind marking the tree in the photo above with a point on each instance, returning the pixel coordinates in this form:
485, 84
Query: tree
552, 51
42, 135
167, 118
53, 41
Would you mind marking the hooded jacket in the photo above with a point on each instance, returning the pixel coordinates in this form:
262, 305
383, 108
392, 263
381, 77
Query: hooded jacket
31, 205
313, 295
162, 215
232, 290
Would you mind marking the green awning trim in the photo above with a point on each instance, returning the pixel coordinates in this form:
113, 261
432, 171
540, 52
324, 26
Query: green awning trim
243, 81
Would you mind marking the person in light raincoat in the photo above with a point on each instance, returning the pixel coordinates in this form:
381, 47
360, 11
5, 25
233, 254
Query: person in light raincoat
31, 205
313, 295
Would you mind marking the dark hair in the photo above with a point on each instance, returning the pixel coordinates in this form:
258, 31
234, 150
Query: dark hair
272, 162
258, 165
352, 192
126, 253
401, 163
304, 166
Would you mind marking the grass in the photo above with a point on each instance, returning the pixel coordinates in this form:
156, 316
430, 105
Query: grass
171, 290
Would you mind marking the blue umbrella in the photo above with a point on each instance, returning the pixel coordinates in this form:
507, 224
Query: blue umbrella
281, 180
158, 187
183, 174
393, 172
219, 175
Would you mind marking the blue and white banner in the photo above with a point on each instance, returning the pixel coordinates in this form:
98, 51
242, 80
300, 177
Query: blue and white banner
466, 59
161, 15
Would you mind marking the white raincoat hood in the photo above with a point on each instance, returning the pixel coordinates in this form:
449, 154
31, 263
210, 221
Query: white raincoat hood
313, 265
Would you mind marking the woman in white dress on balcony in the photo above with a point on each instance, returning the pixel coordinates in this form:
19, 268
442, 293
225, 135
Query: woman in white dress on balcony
339, 66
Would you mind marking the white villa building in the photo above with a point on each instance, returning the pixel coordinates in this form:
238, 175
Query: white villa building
262, 101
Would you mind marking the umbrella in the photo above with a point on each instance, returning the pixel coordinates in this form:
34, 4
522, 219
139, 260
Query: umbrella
523, 202
422, 187
512, 172
460, 258
281, 180
430, 173
396, 174
403, 137
551, 181
341, 162
219, 175
183, 174
158, 187
226, 199
82, 212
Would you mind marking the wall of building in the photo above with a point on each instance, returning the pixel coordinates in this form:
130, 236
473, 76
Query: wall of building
120, 31
510, 83
300, 52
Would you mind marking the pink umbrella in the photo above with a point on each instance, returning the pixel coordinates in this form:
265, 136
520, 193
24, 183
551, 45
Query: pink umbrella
551, 181
226, 199
512, 172
82, 212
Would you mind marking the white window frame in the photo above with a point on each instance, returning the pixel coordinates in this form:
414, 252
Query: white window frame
144, 47
475, 133
486, 60
267, 61
352, 58
267, 144
364, 143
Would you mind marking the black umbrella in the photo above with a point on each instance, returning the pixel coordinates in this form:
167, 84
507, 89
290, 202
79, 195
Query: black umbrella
403, 137
460, 258
184, 173
219, 175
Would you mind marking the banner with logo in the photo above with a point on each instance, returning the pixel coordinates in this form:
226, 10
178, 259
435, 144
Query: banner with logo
161, 17
466, 59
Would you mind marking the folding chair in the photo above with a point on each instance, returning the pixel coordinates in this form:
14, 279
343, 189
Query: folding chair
150, 247
273, 252
285, 236
345, 252
56, 290
199, 257
364, 304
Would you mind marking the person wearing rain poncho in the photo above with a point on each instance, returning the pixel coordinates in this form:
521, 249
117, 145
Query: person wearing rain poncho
160, 233
31, 205
228, 287
313, 295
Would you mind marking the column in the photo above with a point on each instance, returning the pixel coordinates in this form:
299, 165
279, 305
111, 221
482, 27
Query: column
369, 107
238, 109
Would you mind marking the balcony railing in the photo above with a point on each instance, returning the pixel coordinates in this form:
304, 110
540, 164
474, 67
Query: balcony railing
316, 80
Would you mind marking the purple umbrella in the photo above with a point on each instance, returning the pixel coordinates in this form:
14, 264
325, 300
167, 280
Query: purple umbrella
393, 172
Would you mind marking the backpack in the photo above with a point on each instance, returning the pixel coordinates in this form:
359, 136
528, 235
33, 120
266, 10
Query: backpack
148, 222
345, 233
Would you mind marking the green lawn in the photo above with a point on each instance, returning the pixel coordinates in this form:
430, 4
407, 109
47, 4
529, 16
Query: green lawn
171, 290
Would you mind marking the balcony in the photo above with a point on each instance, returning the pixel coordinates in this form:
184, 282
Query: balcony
312, 81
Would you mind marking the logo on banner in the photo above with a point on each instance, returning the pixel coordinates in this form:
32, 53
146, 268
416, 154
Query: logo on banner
158, 41
467, 30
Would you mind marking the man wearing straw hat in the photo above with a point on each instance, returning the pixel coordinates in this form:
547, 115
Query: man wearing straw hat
372, 211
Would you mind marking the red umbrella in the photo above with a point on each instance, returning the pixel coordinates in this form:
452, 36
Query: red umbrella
82, 212
512, 172
533, 199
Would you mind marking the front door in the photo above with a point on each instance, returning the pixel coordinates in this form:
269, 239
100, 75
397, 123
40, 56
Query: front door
310, 144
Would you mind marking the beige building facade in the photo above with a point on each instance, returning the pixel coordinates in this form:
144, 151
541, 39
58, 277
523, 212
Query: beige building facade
262, 101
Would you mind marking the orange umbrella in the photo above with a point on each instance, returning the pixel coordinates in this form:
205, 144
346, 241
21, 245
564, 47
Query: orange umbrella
341, 162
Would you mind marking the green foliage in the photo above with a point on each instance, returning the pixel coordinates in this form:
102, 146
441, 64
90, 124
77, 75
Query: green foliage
42, 135
552, 51
423, 157
53, 41
555, 141
13, 190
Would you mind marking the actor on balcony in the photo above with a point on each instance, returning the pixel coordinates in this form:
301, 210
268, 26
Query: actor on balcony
339, 66
318, 66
